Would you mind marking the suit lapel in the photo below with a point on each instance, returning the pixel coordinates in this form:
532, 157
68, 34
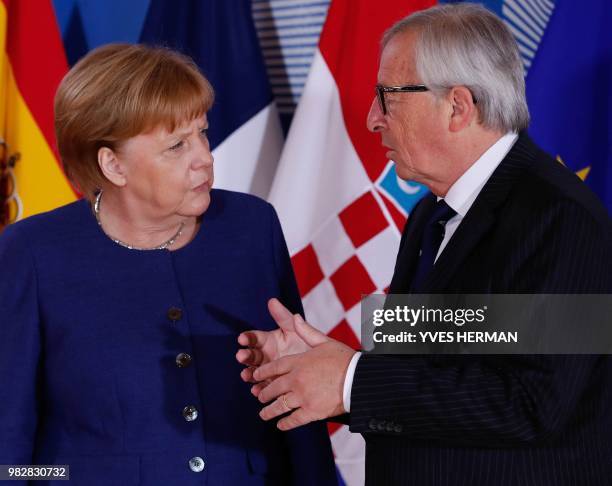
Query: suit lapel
408, 253
482, 215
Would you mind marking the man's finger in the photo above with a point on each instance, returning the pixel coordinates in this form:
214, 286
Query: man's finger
278, 367
298, 418
280, 406
276, 388
281, 315
311, 336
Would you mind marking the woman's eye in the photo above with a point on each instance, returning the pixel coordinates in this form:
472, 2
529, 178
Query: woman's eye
204, 132
176, 146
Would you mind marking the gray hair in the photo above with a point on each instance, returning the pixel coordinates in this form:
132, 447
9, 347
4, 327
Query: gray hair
467, 45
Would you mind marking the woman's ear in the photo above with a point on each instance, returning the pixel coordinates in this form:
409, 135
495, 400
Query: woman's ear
111, 166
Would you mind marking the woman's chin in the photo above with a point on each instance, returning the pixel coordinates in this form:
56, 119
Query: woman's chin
195, 206
200, 204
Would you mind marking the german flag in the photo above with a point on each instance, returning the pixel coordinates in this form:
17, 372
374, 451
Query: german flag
32, 64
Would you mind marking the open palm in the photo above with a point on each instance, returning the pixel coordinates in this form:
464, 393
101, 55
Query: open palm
265, 346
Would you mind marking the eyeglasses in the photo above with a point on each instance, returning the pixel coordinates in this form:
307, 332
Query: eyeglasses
409, 88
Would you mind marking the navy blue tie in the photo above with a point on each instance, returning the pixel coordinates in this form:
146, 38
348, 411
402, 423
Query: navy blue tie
433, 234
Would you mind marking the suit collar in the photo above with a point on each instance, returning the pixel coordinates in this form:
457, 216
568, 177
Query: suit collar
481, 215
462, 194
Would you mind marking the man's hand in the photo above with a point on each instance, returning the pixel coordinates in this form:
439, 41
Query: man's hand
265, 346
310, 384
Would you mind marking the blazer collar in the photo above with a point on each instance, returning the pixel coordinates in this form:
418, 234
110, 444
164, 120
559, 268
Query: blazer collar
481, 215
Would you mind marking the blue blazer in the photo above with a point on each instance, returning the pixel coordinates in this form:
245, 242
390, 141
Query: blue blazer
91, 336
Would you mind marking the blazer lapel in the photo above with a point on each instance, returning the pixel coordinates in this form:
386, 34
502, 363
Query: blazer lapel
482, 214
408, 253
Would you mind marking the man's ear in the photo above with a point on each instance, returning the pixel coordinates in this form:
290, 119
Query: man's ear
111, 167
464, 111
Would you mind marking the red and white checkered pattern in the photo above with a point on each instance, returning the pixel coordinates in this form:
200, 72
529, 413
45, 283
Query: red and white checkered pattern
341, 231
350, 256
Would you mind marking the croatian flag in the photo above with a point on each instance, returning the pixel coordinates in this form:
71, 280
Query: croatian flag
339, 200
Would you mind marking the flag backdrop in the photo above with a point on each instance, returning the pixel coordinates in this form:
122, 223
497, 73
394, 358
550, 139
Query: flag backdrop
29, 76
569, 91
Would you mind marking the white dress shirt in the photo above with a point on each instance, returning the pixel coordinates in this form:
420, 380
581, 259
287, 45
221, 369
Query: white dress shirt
460, 198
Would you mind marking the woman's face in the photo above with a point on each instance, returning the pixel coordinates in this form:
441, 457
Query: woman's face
169, 173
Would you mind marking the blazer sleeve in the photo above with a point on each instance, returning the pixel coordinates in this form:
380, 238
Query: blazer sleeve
309, 446
289, 293
20, 349
493, 400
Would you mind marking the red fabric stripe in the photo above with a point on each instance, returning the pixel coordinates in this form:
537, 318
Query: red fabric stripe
351, 281
398, 218
343, 332
350, 46
363, 219
308, 272
36, 53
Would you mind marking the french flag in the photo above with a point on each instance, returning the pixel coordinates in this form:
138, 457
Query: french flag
339, 200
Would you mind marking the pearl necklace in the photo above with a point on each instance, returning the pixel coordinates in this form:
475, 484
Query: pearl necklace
163, 246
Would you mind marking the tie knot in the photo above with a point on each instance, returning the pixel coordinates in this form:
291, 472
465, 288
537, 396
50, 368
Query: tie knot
442, 212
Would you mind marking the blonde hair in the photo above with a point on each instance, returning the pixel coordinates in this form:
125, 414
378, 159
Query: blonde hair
118, 91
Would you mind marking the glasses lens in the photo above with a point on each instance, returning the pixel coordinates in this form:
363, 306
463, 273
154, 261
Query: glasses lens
380, 96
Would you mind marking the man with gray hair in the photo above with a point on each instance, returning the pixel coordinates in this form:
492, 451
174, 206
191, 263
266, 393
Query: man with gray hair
502, 217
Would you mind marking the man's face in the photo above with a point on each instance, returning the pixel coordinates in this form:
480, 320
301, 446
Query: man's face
414, 127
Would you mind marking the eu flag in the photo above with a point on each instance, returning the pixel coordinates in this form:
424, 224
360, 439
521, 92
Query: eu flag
566, 48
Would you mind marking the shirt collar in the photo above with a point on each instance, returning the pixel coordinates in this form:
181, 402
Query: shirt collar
464, 191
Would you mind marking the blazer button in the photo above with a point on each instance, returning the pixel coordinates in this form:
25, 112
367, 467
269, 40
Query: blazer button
398, 428
175, 314
183, 360
390, 427
196, 464
381, 425
372, 424
190, 413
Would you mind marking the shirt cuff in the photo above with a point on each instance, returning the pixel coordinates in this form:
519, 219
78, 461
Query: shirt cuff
348, 382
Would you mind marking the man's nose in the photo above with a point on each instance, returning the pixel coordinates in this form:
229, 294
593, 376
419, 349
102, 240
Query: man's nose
376, 120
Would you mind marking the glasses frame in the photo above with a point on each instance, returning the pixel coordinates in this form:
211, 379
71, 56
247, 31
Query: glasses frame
409, 88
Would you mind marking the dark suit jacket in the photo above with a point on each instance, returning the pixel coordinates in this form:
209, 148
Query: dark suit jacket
89, 335
498, 420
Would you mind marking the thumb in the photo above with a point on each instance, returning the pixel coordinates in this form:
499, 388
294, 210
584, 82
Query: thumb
310, 335
281, 315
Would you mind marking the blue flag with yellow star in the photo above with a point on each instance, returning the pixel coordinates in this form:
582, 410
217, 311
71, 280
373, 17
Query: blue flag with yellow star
566, 47
569, 91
